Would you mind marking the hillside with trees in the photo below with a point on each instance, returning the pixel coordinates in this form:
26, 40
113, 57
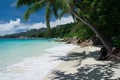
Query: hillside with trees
78, 30
61, 31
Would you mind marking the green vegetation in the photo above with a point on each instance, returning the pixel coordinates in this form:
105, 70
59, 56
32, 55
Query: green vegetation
98, 15
62, 31
116, 40
78, 30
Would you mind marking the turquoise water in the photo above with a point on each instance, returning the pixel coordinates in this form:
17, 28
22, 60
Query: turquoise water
14, 50
30, 59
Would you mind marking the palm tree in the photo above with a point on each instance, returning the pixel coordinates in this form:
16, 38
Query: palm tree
66, 6
36, 5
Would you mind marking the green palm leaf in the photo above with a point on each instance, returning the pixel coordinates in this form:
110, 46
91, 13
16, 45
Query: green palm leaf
25, 2
34, 8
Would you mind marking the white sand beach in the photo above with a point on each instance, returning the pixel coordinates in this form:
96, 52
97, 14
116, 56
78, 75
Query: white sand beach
82, 64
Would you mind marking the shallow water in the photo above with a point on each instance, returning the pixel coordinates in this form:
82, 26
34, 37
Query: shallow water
29, 59
13, 50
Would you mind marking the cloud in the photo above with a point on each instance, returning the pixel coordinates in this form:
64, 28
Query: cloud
63, 20
16, 26
9, 27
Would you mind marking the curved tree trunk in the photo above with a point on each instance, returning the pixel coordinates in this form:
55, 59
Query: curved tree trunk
106, 42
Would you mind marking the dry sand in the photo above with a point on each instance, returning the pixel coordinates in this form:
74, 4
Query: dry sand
82, 64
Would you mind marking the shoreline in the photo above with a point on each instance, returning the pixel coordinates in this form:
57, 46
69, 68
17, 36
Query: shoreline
81, 64
31, 67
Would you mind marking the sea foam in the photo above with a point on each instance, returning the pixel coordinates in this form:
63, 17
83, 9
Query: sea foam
36, 68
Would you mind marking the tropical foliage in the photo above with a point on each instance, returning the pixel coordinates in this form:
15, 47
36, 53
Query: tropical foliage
90, 12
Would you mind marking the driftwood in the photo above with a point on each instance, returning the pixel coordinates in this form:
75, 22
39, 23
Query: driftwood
104, 53
110, 56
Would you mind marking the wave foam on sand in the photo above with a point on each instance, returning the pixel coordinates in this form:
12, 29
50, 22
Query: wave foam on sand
36, 68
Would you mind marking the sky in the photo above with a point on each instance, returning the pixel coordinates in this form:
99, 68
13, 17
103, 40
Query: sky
11, 19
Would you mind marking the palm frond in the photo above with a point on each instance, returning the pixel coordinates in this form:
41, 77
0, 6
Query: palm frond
74, 18
63, 6
35, 7
62, 13
25, 2
55, 11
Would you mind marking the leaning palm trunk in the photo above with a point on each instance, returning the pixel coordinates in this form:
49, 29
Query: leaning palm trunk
106, 42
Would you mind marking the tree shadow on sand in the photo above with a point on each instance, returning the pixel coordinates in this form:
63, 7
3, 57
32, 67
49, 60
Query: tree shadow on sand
78, 56
87, 72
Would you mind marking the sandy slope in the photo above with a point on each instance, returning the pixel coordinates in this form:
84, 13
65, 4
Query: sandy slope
82, 64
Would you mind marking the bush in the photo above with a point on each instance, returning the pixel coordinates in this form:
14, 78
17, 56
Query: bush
116, 41
80, 31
